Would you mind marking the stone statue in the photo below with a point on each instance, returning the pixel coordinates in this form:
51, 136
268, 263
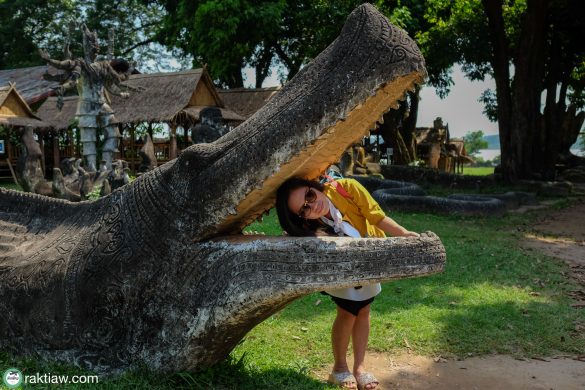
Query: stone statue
210, 126
29, 167
92, 77
355, 161
158, 274
148, 162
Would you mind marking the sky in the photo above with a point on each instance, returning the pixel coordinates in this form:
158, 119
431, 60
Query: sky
460, 109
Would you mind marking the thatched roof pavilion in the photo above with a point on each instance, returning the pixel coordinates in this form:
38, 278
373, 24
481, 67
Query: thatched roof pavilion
170, 97
58, 119
246, 101
14, 112
439, 150
174, 98
31, 85
14, 115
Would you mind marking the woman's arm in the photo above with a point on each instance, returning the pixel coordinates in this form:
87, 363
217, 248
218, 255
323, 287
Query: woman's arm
388, 225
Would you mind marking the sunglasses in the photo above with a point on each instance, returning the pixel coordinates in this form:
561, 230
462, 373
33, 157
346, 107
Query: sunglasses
310, 197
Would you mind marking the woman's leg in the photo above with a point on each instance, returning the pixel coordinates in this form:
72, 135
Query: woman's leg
360, 334
340, 334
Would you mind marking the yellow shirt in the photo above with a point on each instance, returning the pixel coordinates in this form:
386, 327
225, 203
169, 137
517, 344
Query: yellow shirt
361, 210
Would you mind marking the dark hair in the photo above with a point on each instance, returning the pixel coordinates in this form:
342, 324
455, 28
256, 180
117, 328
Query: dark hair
289, 221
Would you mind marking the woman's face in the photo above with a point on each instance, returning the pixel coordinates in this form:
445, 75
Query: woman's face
308, 203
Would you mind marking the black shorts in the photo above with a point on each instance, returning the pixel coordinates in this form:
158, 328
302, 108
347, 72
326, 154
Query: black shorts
353, 307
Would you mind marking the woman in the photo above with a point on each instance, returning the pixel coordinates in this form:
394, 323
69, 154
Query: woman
344, 208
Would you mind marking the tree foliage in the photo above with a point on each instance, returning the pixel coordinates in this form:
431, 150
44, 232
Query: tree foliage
134, 24
474, 142
531, 48
229, 35
24, 25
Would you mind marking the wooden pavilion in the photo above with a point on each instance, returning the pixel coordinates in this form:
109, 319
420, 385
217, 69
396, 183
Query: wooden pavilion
15, 114
174, 99
456, 150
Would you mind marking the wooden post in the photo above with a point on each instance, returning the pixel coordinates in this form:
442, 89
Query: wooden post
173, 147
187, 134
12, 171
78, 143
118, 155
8, 147
42, 144
150, 131
132, 147
56, 156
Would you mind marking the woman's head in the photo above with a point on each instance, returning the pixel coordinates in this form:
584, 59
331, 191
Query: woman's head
299, 205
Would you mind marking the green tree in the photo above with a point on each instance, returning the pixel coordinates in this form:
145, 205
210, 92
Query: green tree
541, 41
135, 27
27, 25
474, 142
24, 25
229, 35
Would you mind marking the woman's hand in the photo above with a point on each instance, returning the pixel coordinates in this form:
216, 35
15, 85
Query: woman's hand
408, 233
388, 225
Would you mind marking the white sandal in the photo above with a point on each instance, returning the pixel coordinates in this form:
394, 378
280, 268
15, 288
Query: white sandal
344, 379
364, 379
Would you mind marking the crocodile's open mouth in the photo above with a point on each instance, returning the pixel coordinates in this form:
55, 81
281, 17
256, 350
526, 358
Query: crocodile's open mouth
331, 103
325, 150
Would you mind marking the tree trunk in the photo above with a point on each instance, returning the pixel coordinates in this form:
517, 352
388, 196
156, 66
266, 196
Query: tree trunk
263, 66
236, 80
549, 141
500, 65
391, 132
526, 98
519, 118
570, 124
409, 125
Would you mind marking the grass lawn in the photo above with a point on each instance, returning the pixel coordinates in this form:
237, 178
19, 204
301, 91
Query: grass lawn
478, 171
492, 297
11, 186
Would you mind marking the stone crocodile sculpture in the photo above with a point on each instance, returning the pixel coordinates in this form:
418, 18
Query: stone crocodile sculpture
156, 274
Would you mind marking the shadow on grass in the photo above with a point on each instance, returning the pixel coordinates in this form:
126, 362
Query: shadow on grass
228, 374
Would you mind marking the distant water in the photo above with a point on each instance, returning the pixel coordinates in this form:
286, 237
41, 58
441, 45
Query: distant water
488, 154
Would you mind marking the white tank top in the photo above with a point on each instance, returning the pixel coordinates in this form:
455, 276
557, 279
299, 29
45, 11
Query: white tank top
344, 228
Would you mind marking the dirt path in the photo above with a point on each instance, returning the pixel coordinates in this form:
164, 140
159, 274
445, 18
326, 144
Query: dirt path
559, 234
495, 372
